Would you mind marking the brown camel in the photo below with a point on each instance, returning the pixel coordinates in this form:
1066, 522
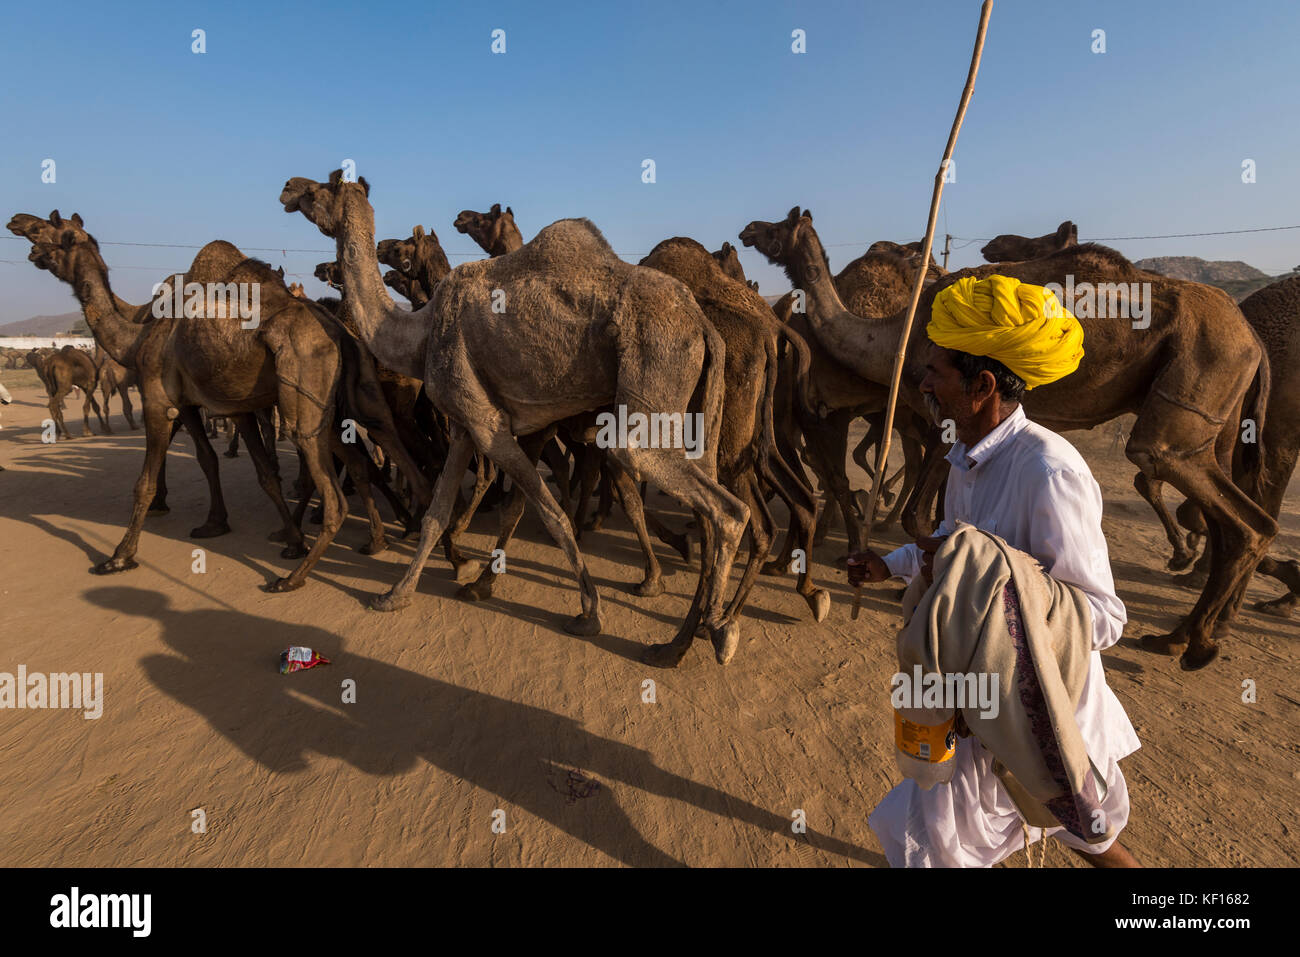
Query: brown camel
495, 231
60, 372
729, 260
113, 377
596, 332
876, 283
420, 260
1185, 377
1274, 313
497, 234
209, 360
749, 460
1012, 248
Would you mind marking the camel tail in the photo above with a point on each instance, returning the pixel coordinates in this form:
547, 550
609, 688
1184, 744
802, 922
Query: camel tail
803, 362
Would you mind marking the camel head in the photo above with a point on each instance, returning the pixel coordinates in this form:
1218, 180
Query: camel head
492, 230
397, 282
403, 254
729, 260
322, 203
68, 248
37, 230
778, 241
329, 273
1012, 248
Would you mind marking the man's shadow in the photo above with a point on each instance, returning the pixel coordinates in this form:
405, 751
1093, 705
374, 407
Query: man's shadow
224, 667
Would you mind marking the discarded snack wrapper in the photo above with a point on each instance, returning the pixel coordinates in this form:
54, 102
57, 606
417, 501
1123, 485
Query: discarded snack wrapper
296, 658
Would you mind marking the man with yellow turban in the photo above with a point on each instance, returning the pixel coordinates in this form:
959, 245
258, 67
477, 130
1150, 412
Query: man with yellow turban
991, 340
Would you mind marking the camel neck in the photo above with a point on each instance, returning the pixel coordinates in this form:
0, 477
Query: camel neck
109, 318
396, 337
865, 345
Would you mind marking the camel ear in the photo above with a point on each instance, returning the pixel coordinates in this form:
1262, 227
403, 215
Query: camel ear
418, 231
793, 216
496, 209
336, 177
55, 218
510, 212
1063, 230
76, 218
1074, 234
364, 185
807, 214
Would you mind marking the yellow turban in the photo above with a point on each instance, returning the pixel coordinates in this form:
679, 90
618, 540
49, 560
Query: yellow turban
1022, 326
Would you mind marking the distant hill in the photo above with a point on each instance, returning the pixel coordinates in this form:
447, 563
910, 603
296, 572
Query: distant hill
1200, 270
1237, 279
45, 325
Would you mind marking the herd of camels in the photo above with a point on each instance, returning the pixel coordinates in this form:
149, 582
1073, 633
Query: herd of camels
505, 362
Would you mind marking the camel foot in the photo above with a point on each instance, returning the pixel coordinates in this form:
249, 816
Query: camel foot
1283, 607
465, 569
296, 550
1162, 644
1195, 580
115, 565
477, 590
210, 530
649, 588
374, 547
231, 453
667, 655
1180, 561
283, 585
585, 626
389, 601
158, 509
725, 641
1198, 659
820, 602
773, 569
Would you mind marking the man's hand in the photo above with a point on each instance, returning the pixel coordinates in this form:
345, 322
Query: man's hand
867, 567
928, 547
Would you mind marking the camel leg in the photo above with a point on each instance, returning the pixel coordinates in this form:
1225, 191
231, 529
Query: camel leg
357, 465
157, 435
502, 447
316, 455
1153, 491
762, 530
557, 461
247, 426
1238, 535
106, 390
801, 503
216, 523
828, 448
630, 498
722, 518
508, 521
88, 402
909, 474
56, 410
128, 410
159, 504
434, 523
589, 472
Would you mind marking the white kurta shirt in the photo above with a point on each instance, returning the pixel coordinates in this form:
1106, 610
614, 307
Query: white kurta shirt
1030, 487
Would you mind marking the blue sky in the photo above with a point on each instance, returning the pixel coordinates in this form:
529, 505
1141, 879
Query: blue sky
154, 143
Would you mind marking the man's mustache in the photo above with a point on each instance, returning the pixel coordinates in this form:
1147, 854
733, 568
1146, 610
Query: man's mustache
932, 405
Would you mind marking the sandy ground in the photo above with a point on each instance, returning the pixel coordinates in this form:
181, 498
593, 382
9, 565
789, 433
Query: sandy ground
463, 710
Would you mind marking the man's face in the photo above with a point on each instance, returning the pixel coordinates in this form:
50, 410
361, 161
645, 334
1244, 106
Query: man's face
944, 392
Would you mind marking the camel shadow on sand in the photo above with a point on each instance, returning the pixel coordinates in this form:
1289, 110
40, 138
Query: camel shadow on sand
222, 665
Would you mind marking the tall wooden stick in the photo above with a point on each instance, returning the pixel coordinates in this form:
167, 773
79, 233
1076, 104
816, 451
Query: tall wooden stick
900, 357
